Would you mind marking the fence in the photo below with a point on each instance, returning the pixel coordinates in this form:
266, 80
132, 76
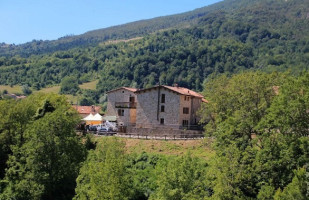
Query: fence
162, 137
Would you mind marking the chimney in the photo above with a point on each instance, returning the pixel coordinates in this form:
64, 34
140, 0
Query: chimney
175, 85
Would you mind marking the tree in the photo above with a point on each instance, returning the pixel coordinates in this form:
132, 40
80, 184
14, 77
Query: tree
142, 169
237, 105
289, 111
69, 85
181, 178
104, 174
260, 131
45, 164
36, 86
297, 189
26, 90
86, 102
15, 117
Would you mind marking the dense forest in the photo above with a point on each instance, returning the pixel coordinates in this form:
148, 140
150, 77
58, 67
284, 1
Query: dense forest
257, 124
230, 37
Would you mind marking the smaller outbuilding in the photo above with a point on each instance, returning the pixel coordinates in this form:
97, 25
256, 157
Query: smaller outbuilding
84, 111
93, 119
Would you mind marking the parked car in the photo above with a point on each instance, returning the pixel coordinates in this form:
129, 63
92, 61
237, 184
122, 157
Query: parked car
92, 128
103, 129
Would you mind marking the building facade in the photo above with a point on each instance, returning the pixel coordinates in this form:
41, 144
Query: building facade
121, 103
168, 107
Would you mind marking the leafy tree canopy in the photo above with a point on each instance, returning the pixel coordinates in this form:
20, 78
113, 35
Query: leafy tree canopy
69, 85
40, 151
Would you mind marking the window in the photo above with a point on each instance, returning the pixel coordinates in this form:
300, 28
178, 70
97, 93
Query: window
162, 121
132, 99
163, 98
162, 108
185, 122
185, 110
187, 98
120, 112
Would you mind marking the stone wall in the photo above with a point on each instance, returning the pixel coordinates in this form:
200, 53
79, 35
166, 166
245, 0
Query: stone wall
121, 95
149, 108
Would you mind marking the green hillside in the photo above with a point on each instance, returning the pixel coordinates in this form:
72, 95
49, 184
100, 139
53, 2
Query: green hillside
125, 31
230, 37
145, 27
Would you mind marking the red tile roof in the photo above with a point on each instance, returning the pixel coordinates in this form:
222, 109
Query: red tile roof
184, 91
126, 88
204, 100
87, 109
14, 96
179, 90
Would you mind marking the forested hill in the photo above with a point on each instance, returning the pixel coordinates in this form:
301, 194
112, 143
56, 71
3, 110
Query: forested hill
141, 28
125, 31
232, 36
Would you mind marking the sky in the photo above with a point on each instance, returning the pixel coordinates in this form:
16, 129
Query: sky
24, 20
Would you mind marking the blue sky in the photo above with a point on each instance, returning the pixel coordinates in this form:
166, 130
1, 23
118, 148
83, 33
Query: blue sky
24, 20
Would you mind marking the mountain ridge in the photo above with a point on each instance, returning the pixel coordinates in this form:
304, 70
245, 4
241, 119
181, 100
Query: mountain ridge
134, 29
122, 31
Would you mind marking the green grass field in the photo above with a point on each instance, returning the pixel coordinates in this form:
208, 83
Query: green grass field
199, 148
14, 89
54, 89
90, 85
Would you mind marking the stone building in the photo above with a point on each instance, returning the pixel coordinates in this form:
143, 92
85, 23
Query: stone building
160, 110
167, 107
121, 103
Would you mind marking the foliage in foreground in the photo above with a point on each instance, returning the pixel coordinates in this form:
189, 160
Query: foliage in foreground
110, 174
40, 151
260, 122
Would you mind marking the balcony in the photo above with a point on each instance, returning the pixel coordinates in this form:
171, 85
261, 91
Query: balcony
125, 105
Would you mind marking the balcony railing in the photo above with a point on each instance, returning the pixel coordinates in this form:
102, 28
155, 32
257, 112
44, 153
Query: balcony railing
125, 104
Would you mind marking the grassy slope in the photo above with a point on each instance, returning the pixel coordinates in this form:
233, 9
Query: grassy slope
90, 85
200, 148
14, 89
55, 89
